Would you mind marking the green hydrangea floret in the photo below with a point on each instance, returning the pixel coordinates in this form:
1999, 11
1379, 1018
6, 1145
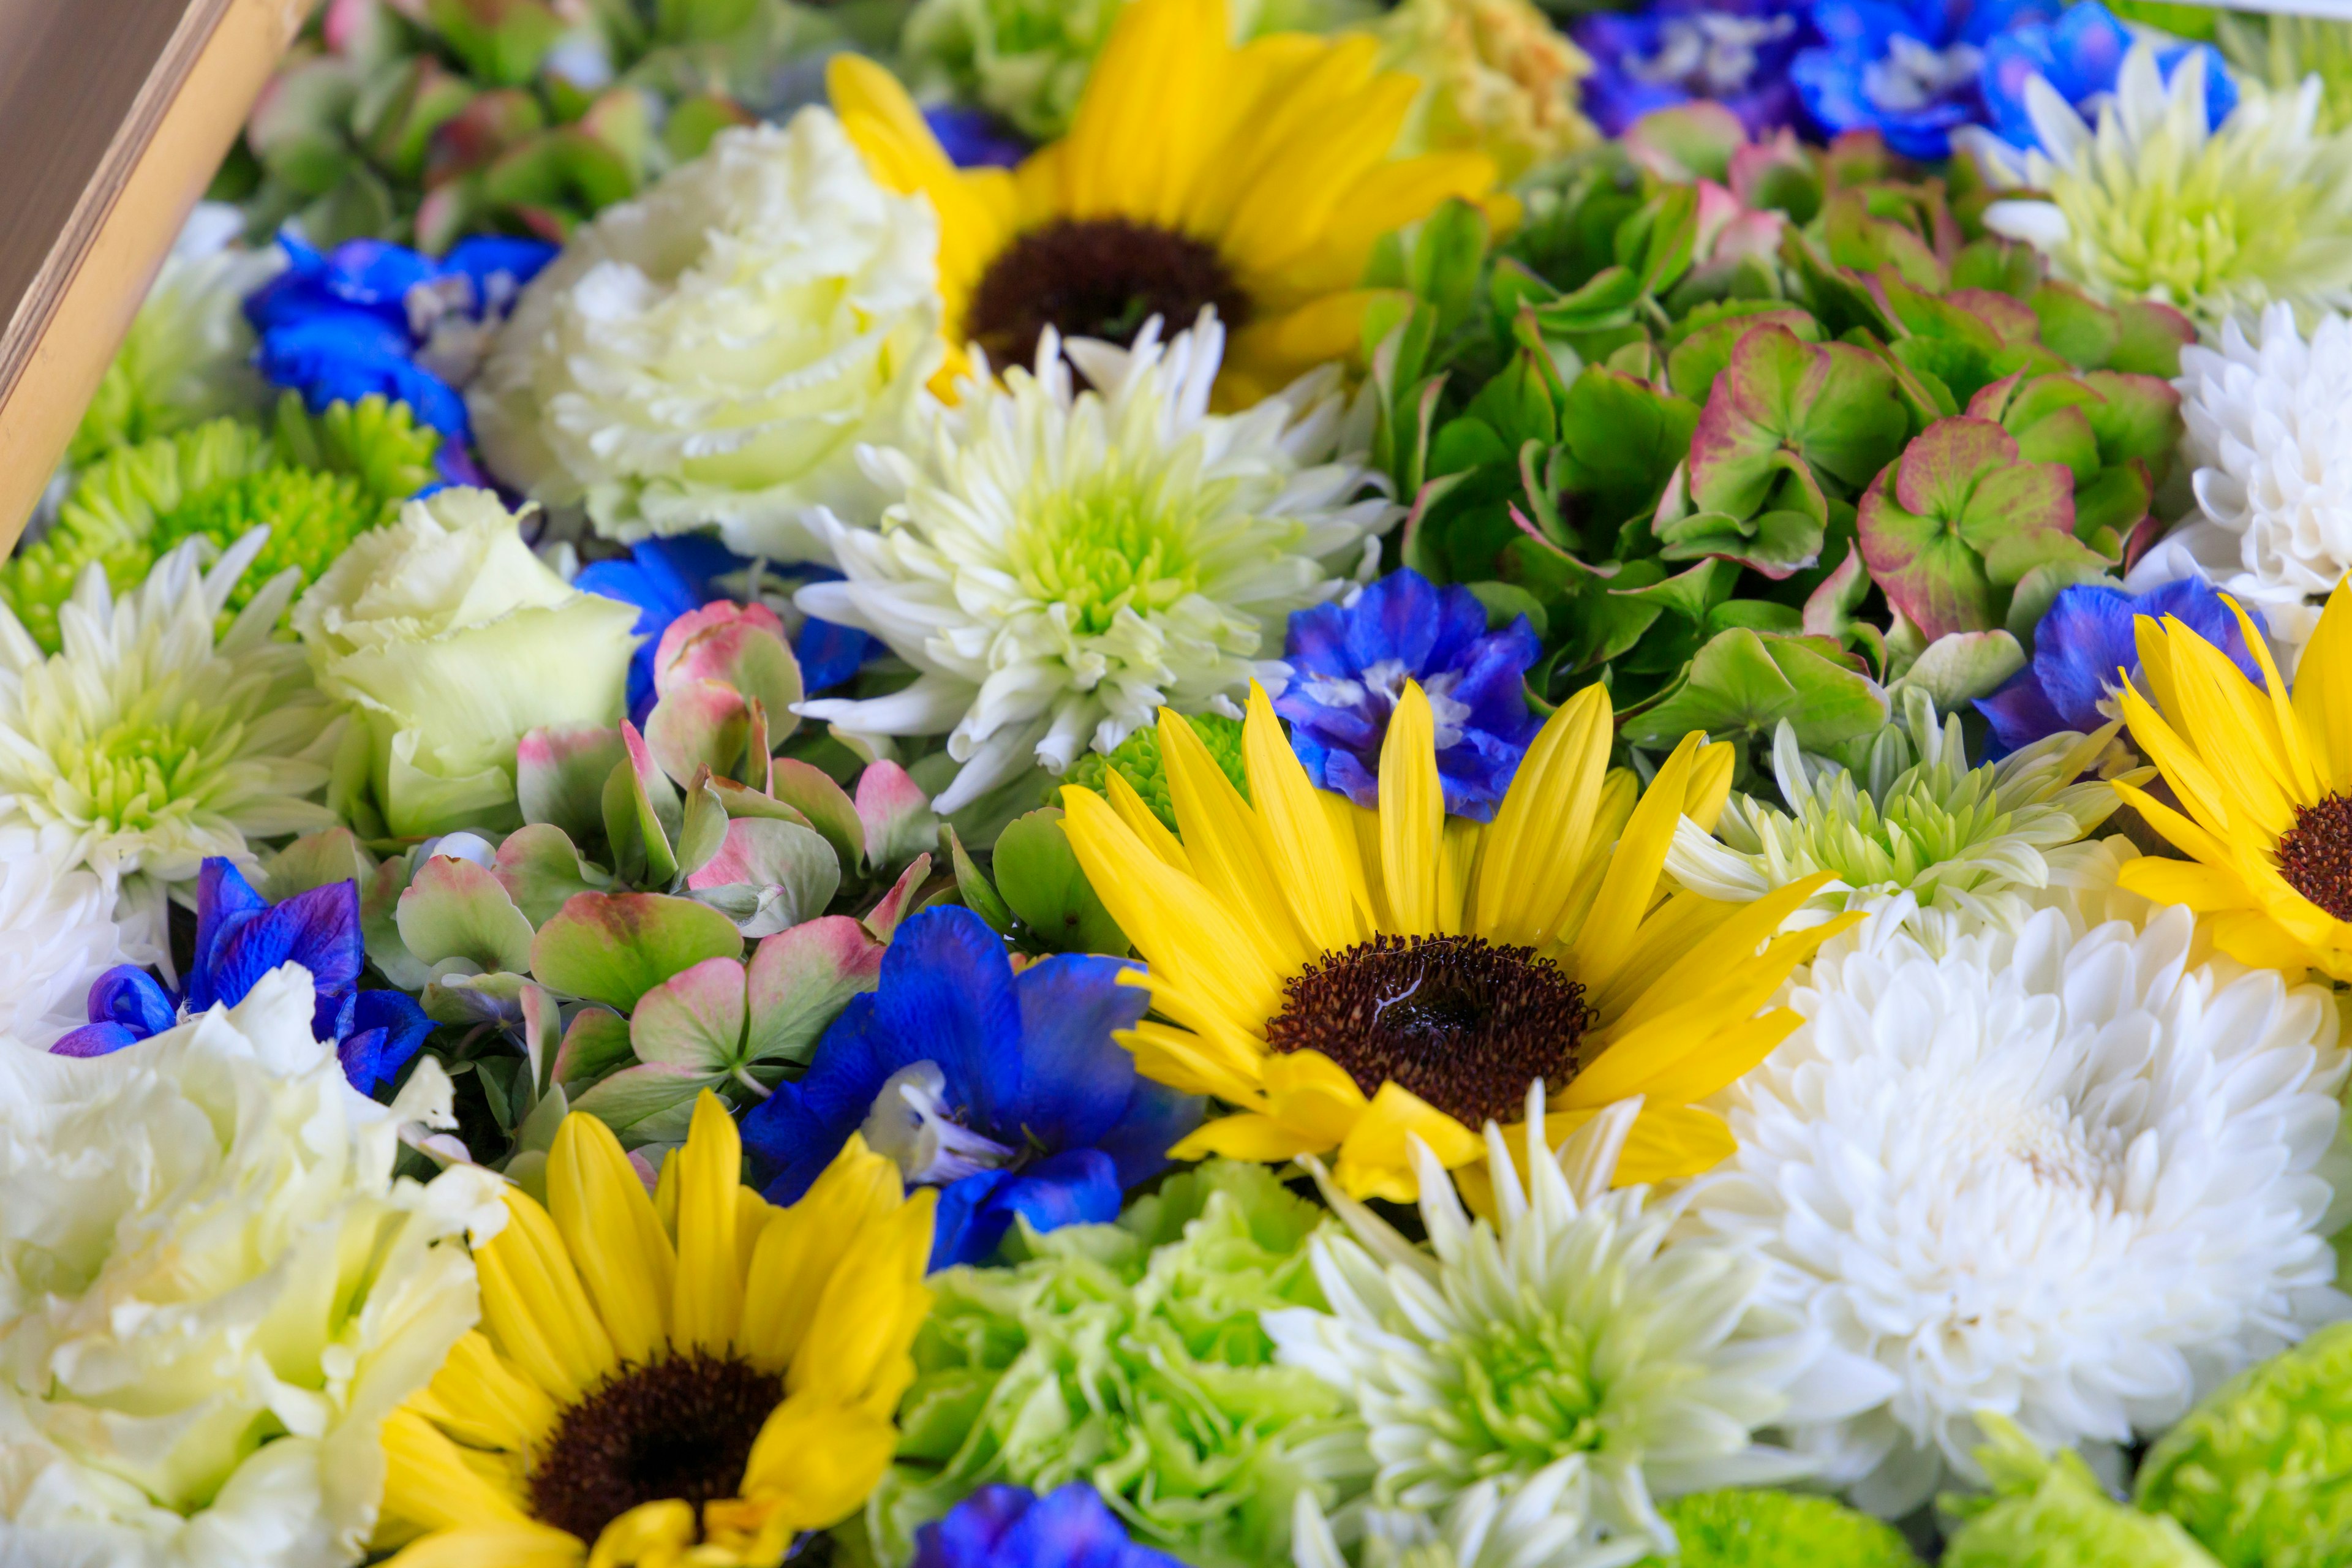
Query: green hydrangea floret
1136, 760
2046, 1511
317, 481
2261, 1471
1743, 1528
1131, 1355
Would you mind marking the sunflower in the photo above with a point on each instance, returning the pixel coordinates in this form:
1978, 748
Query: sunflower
1352, 978
1255, 180
692, 1377
2265, 783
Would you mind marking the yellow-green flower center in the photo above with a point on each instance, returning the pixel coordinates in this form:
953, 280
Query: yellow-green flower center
1115, 540
156, 756
2223, 222
1529, 1394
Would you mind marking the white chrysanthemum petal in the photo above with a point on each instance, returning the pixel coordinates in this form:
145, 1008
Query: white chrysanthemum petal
2051, 1169
57, 934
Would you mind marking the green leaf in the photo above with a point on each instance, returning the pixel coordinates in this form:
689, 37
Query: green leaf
1744, 683
800, 980
540, 868
615, 947
693, 1019
456, 909
1039, 876
978, 892
596, 1044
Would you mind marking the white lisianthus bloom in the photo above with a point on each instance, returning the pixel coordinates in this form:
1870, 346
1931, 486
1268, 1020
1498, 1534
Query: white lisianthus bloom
154, 743
213, 1291
1569, 1325
452, 640
2270, 441
715, 350
2066, 1172
1057, 563
57, 936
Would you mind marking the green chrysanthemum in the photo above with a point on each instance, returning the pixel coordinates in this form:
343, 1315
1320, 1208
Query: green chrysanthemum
1132, 1355
1742, 1529
2154, 205
2261, 1471
1920, 820
1136, 760
319, 482
2051, 1512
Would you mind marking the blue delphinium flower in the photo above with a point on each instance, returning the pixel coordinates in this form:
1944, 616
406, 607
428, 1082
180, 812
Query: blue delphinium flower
242, 936
1911, 70
2080, 55
339, 325
973, 138
1007, 1091
1733, 52
1349, 664
2084, 638
666, 577
1012, 1527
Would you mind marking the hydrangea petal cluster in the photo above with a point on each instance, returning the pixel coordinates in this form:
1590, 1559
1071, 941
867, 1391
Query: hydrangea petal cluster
1732, 52
154, 742
1059, 564
2151, 204
1913, 70
1956, 837
57, 933
2270, 436
215, 1292
1565, 1325
2081, 54
1349, 664
714, 352
2064, 1173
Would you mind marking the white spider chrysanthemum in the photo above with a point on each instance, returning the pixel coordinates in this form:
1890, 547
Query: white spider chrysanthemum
1974, 841
1057, 563
2064, 1172
57, 934
1540, 1523
1570, 1325
2270, 438
153, 744
2154, 204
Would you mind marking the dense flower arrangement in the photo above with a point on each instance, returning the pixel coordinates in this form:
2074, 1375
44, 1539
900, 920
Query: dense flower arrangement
1253, 784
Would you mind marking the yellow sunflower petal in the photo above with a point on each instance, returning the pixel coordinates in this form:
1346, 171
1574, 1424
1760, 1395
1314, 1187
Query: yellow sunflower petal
2297, 773
814, 1463
2236, 738
1229, 849
1135, 146
867, 1312
478, 1397
805, 1243
1672, 1141
1306, 854
1251, 1136
2204, 888
1536, 843
429, 1483
1413, 813
1375, 1159
707, 1299
2323, 691
1604, 938
653, 1533
607, 1220
517, 1545
1196, 1061
2183, 769
535, 1308
1309, 1093
1383, 200
1145, 823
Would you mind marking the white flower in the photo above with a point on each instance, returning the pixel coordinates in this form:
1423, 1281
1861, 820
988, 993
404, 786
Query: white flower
2154, 204
57, 936
1570, 1325
1542, 1522
213, 1291
155, 744
1979, 841
2269, 437
1058, 563
714, 351
454, 641
2065, 1174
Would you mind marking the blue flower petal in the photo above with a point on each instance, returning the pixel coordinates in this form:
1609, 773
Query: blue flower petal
96, 1040
1072, 1527
974, 139
964, 1230
968, 1536
400, 1027
225, 903
1075, 1077
796, 1133
830, 653
1396, 619
1156, 1119
129, 997
317, 929
946, 996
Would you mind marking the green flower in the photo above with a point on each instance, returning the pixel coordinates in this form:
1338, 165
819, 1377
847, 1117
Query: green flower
2052, 1513
1919, 820
319, 482
1739, 1528
2261, 1471
1136, 760
1131, 1355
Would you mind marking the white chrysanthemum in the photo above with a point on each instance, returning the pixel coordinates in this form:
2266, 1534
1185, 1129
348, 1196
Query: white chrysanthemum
715, 350
2067, 1173
1540, 1523
212, 1291
155, 743
1570, 1325
1974, 841
2270, 438
57, 934
2154, 204
1058, 563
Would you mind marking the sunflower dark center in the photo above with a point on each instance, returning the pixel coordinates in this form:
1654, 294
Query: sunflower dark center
2315, 855
1462, 1022
680, 1428
1096, 277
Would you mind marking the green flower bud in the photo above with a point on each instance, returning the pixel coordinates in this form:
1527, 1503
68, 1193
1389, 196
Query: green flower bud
1136, 760
2052, 1513
1737, 1529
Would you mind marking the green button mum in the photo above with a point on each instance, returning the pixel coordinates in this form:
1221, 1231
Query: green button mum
1136, 760
1739, 1529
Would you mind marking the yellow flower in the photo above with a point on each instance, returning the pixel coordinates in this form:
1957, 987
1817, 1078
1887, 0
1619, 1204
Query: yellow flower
681, 1381
2267, 783
1350, 979
1255, 179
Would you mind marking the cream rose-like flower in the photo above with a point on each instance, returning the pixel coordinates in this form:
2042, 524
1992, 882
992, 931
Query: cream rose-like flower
715, 350
212, 1291
452, 640
57, 936
2069, 1173
1057, 563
